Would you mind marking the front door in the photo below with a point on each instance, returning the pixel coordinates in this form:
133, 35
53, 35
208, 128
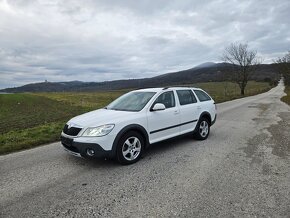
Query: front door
164, 124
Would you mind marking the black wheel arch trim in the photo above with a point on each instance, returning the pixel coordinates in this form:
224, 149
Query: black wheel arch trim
131, 127
205, 113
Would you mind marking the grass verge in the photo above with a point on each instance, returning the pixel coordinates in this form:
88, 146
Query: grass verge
29, 120
226, 91
16, 140
286, 98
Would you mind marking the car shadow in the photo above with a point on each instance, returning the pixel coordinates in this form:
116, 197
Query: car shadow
91, 162
153, 150
161, 147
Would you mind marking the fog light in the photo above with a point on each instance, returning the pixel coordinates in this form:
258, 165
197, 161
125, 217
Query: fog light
90, 152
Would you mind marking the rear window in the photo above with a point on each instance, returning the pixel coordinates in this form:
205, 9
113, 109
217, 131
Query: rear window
202, 96
186, 97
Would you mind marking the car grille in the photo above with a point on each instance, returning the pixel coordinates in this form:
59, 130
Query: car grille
66, 141
68, 144
72, 131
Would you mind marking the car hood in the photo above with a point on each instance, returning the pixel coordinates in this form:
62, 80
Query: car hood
99, 117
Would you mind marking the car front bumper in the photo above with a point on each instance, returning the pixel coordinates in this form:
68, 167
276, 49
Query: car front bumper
82, 149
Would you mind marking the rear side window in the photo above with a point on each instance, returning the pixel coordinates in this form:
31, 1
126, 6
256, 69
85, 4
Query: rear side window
167, 99
202, 96
186, 97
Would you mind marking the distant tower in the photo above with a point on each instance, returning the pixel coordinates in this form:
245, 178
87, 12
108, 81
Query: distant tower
46, 81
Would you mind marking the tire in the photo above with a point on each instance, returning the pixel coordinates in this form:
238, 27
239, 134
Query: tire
130, 148
202, 129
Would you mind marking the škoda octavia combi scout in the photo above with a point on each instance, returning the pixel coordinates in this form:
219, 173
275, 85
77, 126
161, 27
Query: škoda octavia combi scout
124, 128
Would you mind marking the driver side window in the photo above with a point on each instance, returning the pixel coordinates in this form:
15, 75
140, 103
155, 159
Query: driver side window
166, 98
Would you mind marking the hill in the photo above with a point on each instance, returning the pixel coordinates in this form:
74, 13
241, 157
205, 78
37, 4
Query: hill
207, 72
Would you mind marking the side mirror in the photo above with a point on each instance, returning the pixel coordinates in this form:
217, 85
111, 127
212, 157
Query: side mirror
158, 107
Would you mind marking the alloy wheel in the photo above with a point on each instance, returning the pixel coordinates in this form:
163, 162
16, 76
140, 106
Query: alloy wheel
203, 128
131, 148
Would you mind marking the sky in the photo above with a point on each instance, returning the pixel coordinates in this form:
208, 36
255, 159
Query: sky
101, 40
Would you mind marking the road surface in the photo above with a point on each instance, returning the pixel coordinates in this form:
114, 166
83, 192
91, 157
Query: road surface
242, 170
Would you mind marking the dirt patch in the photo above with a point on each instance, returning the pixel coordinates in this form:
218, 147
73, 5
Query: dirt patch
281, 136
263, 108
276, 137
253, 147
262, 111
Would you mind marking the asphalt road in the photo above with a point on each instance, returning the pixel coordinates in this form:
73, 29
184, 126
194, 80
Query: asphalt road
242, 170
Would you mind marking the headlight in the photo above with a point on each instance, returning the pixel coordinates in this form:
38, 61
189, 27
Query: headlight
99, 131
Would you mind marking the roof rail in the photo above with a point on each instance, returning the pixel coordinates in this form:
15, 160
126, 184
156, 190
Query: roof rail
165, 88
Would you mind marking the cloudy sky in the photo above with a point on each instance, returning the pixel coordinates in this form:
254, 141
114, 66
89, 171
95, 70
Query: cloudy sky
98, 40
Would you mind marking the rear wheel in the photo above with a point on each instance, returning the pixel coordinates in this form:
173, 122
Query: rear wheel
130, 148
202, 129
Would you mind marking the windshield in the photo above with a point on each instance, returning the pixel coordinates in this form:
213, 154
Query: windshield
132, 101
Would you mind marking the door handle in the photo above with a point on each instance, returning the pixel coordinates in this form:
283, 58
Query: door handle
198, 107
176, 112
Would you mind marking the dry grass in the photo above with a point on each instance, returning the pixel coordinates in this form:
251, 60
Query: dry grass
286, 98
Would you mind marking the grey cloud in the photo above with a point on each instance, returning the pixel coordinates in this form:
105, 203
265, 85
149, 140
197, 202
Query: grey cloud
118, 39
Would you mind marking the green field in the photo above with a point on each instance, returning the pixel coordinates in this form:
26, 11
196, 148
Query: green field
29, 120
225, 91
87, 100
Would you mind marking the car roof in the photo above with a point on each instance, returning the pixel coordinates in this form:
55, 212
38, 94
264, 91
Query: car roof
165, 88
149, 90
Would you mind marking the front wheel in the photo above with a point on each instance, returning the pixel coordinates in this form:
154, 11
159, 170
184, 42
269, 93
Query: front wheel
202, 129
130, 148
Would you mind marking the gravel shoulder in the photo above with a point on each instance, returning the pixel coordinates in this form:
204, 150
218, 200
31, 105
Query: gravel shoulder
242, 170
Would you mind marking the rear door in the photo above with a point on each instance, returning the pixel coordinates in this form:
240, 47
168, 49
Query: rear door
164, 124
206, 102
189, 110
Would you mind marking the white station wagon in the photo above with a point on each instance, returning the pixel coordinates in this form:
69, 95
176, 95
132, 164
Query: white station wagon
124, 128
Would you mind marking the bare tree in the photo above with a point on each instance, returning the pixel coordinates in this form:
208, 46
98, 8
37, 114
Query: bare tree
283, 65
243, 63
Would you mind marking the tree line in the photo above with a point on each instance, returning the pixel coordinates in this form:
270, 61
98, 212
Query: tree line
283, 66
